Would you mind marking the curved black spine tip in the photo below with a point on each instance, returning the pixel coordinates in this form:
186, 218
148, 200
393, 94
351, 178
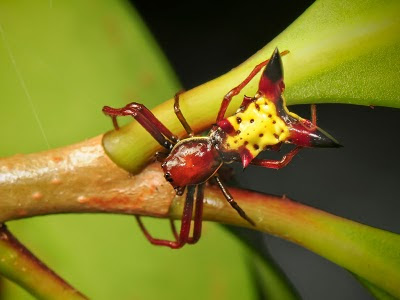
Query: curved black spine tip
322, 139
274, 69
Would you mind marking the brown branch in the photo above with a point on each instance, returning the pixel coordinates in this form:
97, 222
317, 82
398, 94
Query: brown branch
78, 178
81, 178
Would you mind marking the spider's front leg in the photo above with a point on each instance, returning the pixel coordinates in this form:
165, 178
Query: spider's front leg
146, 118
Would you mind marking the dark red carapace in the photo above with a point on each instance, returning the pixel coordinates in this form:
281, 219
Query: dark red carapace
262, 122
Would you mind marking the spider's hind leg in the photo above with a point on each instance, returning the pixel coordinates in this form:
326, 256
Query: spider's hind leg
198, 215
232, 202
276, 164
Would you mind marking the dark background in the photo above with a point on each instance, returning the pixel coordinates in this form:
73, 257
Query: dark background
203, 40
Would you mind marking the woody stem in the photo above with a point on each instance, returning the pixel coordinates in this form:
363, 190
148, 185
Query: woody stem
35, 184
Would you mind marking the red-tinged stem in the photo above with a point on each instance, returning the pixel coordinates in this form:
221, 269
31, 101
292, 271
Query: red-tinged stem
371, 253
78, 178
21, 266
81, 178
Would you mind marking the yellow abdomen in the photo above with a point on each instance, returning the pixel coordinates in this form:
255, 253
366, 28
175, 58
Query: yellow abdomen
256, 128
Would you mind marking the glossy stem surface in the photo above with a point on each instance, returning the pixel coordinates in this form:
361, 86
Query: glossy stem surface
81, 178
78, 178
371, 253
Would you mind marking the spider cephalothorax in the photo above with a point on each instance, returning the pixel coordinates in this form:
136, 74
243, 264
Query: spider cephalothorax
262, 122
191, 161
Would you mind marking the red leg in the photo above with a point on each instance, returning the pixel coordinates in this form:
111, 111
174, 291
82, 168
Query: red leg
232, 202
314, 114
115, 122
146, 118
173, 229
185, 224
198, 215
228, 97
276, 164
161, 156
180, 116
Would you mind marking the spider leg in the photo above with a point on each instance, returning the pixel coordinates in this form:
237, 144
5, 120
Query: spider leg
232, 202
115, 122
180, 116
146, 118
161, 156
276, 164
198, 215
236, 90
314, 114
185, 224
173, 229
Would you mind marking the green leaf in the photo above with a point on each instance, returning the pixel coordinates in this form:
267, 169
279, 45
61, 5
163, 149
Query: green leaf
344, 52
340, 52
269, 280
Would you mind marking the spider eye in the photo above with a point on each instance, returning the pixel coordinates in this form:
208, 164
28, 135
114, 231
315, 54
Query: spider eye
168, 177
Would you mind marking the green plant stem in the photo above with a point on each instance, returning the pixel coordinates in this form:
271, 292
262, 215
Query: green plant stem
369, 252
374, 290
81, 178
19, 265
352, 58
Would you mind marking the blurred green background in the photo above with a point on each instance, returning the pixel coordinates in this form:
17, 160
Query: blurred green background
61, 61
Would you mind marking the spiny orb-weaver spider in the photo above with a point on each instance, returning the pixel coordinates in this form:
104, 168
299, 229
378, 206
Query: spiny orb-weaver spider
262, 122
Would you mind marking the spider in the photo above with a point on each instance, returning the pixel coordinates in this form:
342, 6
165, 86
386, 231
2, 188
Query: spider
262, 122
